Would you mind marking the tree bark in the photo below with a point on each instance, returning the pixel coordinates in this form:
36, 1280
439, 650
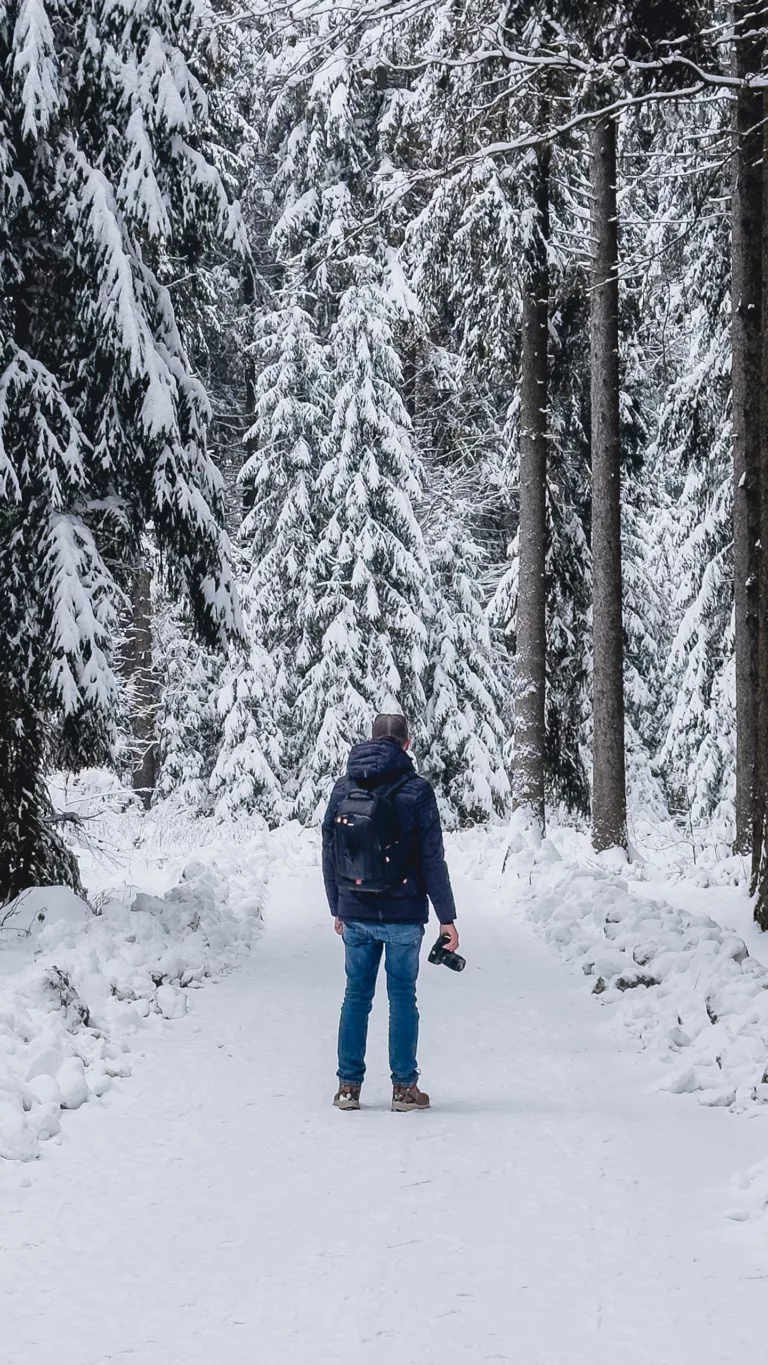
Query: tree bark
142, 677
746, 266
249, 296
609, 800
760, 803
530, 658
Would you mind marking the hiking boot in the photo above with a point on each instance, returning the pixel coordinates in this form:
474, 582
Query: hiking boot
347, 1096
408, 1097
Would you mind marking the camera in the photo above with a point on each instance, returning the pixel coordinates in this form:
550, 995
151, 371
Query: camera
442, 956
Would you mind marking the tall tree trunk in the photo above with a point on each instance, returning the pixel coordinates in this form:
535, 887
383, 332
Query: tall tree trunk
609, 799
249, 297
530, 658
760, 844
142, 676
746, 264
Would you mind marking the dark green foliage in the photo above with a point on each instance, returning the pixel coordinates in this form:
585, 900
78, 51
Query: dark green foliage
31, 852
111, 212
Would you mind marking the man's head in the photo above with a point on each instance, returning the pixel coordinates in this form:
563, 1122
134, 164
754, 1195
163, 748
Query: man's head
391, 727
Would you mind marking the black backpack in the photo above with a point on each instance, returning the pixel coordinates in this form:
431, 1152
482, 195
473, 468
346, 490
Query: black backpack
367, 852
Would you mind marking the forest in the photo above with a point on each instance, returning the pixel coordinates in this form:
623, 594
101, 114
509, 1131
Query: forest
399, 355
360, 361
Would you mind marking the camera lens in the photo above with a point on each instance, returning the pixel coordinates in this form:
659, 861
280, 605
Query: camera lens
442, 956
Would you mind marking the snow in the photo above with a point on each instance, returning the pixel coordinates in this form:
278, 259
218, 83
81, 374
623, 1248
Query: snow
550, 1207
80, 983
680, 982
35, 68
554, 1205
682, 985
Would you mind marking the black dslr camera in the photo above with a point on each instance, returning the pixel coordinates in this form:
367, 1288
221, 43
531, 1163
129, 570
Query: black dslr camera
442, 956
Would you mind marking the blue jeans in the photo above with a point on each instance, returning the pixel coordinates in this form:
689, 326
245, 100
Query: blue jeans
363, 946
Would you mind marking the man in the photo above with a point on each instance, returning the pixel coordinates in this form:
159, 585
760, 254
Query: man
382, 857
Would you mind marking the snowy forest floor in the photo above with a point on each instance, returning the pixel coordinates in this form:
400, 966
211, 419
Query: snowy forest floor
554, 1207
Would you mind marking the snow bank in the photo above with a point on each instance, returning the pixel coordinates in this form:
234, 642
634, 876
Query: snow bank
681, 985
751, 1191
77, 986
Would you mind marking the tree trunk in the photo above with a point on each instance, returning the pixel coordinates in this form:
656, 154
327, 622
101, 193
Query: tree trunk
609, 799
142, 677
530, 658
760, 844
249, 296
746, 263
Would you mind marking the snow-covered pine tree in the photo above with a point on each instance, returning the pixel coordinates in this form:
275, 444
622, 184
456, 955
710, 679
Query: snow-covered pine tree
279, 534
256, 699
365, 641
690, 457
336, 561
311, 168
247, 771
465, 730
108, 198
188, 725
321, 134
697, 755
218, 300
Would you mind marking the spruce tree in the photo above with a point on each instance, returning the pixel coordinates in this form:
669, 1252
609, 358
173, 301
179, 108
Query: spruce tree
465, 730
689, 459
105, 129
365, 645
337, 565
279, 533
246, 773
188, 725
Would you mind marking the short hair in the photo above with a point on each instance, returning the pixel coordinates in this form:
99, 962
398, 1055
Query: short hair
391, 727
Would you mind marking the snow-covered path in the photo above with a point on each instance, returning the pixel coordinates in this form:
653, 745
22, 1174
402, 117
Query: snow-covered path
548, 1210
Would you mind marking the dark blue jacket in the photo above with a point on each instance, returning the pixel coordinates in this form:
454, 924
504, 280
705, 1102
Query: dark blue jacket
370, 764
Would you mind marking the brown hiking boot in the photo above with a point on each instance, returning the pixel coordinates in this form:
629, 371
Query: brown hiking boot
347, 1096
408, 1097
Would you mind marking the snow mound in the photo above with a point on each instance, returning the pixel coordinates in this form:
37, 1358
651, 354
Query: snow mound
751, 1191
681, 985
39, 907
90, 981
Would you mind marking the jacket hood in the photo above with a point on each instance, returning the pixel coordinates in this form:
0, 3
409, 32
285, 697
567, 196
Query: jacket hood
376, 759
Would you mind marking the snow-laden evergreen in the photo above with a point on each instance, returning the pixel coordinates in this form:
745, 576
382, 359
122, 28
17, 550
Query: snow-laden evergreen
291, 411
366, 637
465, 729
109, 196
322, 134
698, 751
246, 774
335, 590
188, 727
256, 702
692, 533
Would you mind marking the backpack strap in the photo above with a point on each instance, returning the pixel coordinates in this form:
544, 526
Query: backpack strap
397, 786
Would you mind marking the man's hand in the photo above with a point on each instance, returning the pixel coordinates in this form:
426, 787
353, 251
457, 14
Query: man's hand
450, 936
338, 925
